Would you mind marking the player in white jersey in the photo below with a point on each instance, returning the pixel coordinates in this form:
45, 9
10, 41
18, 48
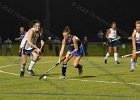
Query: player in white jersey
112, 43
135, 45
29, 47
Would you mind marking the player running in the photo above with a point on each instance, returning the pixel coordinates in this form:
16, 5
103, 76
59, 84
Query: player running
29, 47
75, 49
112, 43
135, 45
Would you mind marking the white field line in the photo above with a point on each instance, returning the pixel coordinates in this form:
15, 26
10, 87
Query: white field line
96, 81
27, 63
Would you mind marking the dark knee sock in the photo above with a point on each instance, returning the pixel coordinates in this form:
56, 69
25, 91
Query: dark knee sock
78, 66
64, 67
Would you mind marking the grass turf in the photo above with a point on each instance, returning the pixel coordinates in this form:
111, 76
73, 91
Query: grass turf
100, 81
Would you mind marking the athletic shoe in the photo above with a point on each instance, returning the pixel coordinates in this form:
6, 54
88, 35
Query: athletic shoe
116, 62
80, 69
105, 61
62, 77
132, 70
30, 72
22, 74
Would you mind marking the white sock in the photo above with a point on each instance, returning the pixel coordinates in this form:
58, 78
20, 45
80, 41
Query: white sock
133, 62
32, 63
116, 56
22, 67
107, 55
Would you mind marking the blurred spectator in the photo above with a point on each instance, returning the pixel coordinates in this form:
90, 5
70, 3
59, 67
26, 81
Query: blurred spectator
56, 43
0, 46
100, 34
50, 44
22, 33
100, 38
85, 43
8, 44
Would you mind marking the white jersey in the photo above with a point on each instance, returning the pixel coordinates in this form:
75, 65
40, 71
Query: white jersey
112, 34
137, 37
24, 41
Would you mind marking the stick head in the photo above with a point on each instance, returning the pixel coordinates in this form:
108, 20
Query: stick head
42, 76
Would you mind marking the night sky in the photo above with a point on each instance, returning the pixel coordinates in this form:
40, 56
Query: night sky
63, 13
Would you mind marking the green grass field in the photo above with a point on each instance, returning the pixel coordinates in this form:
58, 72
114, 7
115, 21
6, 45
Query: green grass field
100, 81
93, 49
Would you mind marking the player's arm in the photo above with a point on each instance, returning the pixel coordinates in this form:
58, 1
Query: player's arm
42, 44
62, 50
30, 40
41, 39
118, 37
17, 39
107, 33
134, 41
75, 45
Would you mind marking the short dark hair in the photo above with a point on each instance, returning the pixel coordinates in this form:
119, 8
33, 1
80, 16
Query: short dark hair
33, 22
67, 29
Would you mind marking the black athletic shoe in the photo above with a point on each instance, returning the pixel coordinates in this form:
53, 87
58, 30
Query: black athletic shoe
132, 70
30, 72
105, 61
116, 62
80, 69
21, 74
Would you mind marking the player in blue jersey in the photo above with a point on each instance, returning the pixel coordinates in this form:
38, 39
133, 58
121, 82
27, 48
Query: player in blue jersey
75, 49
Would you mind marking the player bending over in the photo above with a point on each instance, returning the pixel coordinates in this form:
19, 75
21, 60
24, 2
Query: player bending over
75, 49
135, 45
29, 47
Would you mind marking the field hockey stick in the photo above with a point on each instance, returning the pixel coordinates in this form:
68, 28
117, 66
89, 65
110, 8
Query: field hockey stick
115, 39
112, 40
130, 54
51, 69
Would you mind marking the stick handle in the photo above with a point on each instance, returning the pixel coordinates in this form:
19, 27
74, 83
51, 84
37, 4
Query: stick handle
130, 54
60, 61
115, 39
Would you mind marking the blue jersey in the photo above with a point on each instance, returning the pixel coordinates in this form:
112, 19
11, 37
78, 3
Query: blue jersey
71, 46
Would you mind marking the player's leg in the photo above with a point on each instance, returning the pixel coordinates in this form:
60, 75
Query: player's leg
116, 54
35, 56
78, 56
24, 60
77, 65
108, 54
20, 51
133, 62
64, 65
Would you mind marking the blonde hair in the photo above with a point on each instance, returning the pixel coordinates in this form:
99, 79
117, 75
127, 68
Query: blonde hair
137, 22
113, 23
